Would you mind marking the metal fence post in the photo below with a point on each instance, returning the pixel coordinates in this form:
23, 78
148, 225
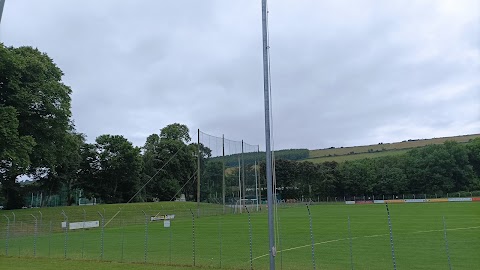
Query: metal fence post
446, 243
101, 235
123, 237
170, 245
146, 237
250, 237
50, 239
66, 234
311, 237
391, 238
193, 236
83, 232
35, 236
350, 242
41, 219
7, 236
220, 238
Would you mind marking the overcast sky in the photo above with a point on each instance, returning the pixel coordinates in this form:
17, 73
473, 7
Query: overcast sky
343, 73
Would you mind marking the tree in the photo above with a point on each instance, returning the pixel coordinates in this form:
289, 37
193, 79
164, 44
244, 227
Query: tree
169, 162
116, 165
66, 171
14, 155
31, 83
175, 132
473, 148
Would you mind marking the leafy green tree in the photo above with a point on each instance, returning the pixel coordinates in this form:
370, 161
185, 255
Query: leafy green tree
66, 171
115, 166
14, 155
358, 177
170, 161
32, 84
473, 149
428, 170
176, 132
461, 170
390, 177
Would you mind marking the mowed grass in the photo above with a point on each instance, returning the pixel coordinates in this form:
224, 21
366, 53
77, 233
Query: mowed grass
222, 241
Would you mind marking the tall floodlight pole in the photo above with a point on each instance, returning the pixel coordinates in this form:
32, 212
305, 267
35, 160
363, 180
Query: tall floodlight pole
266, 93
2, 3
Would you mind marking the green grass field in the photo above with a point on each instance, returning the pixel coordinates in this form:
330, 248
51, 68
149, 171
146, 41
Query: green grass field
222, 241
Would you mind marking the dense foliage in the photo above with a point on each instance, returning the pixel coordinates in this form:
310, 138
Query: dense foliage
433, 169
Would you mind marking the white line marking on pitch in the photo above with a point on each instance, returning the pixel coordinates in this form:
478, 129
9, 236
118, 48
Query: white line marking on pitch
366, 236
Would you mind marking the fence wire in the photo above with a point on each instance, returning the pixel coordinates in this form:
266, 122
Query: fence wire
345, 236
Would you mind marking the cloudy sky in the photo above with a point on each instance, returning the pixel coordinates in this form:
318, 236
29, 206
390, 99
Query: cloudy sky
343, 72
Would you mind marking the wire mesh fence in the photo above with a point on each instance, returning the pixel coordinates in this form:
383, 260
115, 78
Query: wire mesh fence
229, 172
324, 236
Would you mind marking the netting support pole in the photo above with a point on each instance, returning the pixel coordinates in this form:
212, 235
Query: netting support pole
243, 176
259, 182
223, 172
239, 187
198, 172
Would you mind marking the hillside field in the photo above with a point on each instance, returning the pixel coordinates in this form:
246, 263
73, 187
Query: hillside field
377, 150
222, 241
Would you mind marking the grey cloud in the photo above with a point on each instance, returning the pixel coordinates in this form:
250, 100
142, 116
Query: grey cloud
343, 73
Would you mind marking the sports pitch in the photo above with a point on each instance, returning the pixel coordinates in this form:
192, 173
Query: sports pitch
223, 241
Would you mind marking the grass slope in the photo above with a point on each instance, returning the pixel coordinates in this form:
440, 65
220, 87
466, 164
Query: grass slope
223, 240
376, 150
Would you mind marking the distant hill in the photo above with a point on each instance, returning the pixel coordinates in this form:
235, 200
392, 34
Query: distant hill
341, 154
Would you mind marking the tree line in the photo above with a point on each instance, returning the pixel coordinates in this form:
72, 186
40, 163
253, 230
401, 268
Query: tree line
39, 142
433, 169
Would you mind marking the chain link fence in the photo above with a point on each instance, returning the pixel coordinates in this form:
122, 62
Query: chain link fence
323, 236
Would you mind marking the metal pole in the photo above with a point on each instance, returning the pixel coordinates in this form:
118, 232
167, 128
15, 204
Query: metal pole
198, 171
243, 176
220, 238
35, 237
250, 237
2, 3
350, 242
193, 237
41, 219
391, 238
446, 243
268, 153
102, 235
66, 235
223, 172
311, 238
83, 232
256, 185
259, 183
8, 235
239, 187
146, 237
